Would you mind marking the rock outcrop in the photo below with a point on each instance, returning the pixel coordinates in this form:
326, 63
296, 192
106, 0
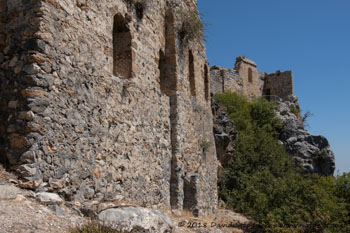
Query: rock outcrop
224, 133
312, 152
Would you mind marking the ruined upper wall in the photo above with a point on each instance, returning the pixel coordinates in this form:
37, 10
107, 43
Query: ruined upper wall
279, 84
244, 78
97, 120
224, 79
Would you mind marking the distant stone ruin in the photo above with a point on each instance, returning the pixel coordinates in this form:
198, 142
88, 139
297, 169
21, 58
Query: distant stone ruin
246, 79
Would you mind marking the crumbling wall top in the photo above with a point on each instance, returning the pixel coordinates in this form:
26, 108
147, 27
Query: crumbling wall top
191, 3
245, 60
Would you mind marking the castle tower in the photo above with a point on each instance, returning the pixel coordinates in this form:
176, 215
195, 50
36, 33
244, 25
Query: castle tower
278, 85
248, 70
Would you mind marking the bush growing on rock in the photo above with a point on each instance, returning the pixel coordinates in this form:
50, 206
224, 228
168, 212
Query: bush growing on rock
261, 180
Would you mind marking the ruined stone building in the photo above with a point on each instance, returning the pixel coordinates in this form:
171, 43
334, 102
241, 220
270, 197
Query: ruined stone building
246, 79
108, 99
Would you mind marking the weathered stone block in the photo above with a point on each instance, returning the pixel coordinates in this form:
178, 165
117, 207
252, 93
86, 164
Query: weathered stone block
31, 69
18, 141
33, 93
13, 104
137, 219
26, 115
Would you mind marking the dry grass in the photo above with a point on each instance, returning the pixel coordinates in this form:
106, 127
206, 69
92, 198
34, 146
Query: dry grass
93, 227
220, 219
4, 175
192, 28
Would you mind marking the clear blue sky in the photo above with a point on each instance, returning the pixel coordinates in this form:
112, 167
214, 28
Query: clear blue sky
309, 37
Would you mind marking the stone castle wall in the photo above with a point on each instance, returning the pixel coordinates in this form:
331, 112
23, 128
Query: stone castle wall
90, 119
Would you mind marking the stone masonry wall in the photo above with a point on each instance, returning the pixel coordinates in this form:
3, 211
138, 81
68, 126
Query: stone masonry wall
79, 130
225, 79
279, 84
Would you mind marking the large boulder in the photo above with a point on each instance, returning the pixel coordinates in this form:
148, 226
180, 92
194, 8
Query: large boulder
137, 219
8, 192
313, 153
48, 198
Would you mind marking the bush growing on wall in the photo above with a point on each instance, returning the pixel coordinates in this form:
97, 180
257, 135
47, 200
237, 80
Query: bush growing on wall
192, 28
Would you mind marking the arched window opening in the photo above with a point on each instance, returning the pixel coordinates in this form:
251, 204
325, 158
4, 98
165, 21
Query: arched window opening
191, 73
206, 83
122, 54
250, 75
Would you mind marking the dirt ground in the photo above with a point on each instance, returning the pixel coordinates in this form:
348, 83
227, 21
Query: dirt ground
20, 212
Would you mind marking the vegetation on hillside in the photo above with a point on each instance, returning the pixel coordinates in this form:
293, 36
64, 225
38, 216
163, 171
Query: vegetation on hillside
262, 180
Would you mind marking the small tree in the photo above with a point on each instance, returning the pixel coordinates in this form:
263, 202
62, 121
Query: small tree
305, 118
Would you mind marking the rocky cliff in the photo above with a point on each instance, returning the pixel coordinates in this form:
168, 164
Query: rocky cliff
312, 153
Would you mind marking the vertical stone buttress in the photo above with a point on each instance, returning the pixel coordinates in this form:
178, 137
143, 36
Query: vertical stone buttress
23, 92
171, 84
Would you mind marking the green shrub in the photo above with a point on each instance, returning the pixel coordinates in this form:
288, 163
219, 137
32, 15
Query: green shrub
294, 110
262, 180
205, 145
192, 27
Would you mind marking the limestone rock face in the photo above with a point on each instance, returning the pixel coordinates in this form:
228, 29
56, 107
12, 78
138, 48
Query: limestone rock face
132, 219
312, 152
224, 133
